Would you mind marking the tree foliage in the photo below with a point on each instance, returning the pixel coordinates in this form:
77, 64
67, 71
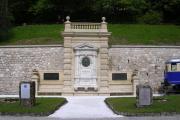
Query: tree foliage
4, 20
118, 11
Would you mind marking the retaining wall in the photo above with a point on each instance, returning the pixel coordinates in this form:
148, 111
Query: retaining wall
17, 62
149, 61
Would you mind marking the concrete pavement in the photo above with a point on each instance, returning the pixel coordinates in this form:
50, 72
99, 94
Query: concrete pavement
121, 118
85, 107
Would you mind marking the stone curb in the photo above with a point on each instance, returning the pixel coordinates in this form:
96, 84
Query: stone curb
140, 114
34, 114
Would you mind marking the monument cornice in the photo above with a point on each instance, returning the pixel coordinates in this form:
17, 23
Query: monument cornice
86, 34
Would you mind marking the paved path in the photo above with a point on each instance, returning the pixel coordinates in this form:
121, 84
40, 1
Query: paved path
85, 107
121, 118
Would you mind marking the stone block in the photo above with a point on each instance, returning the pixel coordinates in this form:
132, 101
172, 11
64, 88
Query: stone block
104, 56
67, 77
104, 73
120, 88
66, 83
67, 66
67, 44
104, 61
67, 72
67, 61
27, 92
104, 78
144, 95
67, 50
103, 50
67, 56
104, 89
104, 83
104, 44
104, 67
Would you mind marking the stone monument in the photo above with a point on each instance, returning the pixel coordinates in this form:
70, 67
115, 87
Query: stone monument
85, 58
27, 93
144, 95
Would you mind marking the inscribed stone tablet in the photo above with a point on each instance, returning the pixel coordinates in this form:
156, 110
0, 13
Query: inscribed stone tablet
145, 96
25, 91
51, 76
119, 76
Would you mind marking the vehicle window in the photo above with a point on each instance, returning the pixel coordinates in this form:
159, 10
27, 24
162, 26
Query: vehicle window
173, 67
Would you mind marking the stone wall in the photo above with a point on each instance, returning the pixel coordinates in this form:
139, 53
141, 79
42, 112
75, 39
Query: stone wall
17, 63
148, 61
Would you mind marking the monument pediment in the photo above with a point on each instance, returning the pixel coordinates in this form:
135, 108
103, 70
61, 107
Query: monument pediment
85, 47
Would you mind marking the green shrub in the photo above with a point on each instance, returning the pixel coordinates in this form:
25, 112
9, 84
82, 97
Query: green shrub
151, 17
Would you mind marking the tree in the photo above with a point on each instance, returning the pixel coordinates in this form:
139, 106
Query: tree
120, 10
4, 21
170, 10
20, 11
49, 11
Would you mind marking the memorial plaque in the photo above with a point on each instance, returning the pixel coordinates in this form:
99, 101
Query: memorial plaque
51, 76
25, 91
85, 61
119, 76
144, 95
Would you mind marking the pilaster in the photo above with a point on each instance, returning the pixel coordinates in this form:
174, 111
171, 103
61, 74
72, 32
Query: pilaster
68, 89
104, 68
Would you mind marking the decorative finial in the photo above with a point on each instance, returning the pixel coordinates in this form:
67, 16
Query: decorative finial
103, 19
67, 18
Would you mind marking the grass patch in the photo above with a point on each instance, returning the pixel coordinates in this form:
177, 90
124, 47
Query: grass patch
127, 105
44, 106
35, 35
134, 34
124, 34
